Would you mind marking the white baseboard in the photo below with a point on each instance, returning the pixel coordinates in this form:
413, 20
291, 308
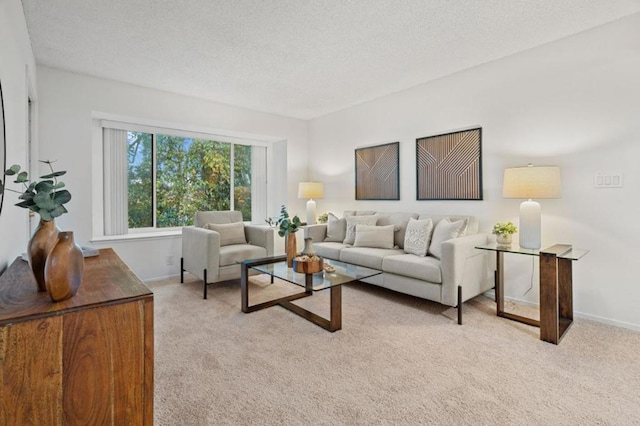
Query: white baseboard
164, 277
636, 327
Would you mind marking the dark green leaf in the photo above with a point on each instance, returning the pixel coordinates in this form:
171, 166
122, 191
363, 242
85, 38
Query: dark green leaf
45, 215
12, 170
22, 177
44, 201
44, 186
26, 204
58, 211
54, 174
26, 196
61, 197
58, 185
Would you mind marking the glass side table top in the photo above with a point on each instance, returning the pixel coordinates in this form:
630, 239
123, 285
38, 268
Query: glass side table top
562, 251
344, 273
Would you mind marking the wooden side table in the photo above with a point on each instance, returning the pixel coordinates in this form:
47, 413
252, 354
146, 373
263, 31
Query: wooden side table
85, 360
556, 287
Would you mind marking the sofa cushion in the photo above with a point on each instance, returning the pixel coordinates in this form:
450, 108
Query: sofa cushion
358, 213
236, 253
230, 233
400, 220
472, 221
330, 250
367, 256
352, 221
421, 268
336, 229
418, 236
443, 231
374, 236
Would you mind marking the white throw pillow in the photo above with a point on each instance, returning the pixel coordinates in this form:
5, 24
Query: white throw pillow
445, 230
336, 229
374, 236
418, 236
230, 233
352, 221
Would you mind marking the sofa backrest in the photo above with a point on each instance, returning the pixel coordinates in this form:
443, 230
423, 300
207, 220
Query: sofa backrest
219, 217
401, 220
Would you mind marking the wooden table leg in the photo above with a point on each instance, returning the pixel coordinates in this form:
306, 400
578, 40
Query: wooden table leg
244, 286
335, 321
499, 283
549, 319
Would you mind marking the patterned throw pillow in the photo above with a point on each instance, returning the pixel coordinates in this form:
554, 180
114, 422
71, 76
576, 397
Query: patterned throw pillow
230, 233
445, 230
352, 221
336, 229
418, 236
374, 236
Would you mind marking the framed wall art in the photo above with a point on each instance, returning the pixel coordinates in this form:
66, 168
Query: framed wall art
378, 172
449, 166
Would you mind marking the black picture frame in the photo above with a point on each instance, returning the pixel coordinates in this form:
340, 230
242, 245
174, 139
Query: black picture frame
377, 172
449, 166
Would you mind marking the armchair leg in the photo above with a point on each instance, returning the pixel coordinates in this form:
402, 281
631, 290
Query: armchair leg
182, 270
205, 283
459, 305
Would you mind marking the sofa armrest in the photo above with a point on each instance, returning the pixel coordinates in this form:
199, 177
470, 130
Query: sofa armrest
200, 251
260, 235
464, 265
316, 232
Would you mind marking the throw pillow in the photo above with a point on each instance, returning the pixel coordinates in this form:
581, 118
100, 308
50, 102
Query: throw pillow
445, 230
230, 233
418, 236
336, 229
352, 221
374, 236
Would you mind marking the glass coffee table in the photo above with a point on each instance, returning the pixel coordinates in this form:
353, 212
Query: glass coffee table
276, 266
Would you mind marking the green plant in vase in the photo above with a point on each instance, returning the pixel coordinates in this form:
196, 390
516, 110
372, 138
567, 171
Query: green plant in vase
287, 227
47, 198
504, 231
323, 218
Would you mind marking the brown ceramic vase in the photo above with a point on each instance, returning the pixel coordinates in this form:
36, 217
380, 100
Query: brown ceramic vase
291, 248
64, 268
41, 243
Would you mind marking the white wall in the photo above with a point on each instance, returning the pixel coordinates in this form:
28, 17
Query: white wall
572, 103
67, 102
17, 75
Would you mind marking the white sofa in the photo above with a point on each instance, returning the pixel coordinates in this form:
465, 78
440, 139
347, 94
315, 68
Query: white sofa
461, 273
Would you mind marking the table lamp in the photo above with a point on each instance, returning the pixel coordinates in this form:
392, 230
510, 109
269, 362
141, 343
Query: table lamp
531, 182
311, 190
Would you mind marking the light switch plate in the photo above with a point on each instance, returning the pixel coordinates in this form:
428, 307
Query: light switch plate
608, 180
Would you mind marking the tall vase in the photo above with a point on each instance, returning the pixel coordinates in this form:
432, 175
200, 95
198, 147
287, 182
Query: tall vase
64, 268
41, 243
291, 248
308, 247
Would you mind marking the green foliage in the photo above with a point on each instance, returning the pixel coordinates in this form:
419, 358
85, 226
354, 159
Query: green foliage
191, 175
285, 224
323, 218
504, 228
43, 197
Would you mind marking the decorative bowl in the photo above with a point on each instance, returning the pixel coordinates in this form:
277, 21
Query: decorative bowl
308, 267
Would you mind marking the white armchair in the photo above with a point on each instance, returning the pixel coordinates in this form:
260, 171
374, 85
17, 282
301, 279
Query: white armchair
213, 248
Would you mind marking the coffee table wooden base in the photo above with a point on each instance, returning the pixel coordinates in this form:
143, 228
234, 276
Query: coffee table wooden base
333, 323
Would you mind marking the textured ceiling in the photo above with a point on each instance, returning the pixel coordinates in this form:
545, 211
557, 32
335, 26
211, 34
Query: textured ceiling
298, 58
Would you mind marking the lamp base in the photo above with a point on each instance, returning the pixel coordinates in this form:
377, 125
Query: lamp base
311, 212
530, 225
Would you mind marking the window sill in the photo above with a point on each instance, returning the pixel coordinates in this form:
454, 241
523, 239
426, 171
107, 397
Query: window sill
138, 236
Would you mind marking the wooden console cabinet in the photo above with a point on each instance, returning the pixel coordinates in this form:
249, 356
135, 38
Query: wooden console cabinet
87, 360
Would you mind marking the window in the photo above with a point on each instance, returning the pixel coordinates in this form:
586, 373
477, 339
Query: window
170, 177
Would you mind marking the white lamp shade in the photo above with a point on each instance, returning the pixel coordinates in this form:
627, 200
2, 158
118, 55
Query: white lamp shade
532, 182
310, 190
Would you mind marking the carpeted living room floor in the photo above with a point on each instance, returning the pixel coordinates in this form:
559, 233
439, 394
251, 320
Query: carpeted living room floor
397, 360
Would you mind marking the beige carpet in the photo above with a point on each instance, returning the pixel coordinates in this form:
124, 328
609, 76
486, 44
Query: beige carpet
397, 360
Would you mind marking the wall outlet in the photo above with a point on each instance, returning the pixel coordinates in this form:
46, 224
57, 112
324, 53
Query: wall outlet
169, 260
608, 180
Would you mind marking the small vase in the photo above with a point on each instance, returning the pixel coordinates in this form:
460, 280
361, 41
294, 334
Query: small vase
291, 248
41, 243
64, 268
503, 239
308, 247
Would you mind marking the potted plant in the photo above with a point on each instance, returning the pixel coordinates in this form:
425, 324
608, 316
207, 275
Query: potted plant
287, 227
47, 198
504, 231
323, 218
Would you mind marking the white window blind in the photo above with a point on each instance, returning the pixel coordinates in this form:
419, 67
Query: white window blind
258, 184
116, 211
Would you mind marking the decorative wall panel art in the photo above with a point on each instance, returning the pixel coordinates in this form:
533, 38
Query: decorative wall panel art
378, 172
449, 166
